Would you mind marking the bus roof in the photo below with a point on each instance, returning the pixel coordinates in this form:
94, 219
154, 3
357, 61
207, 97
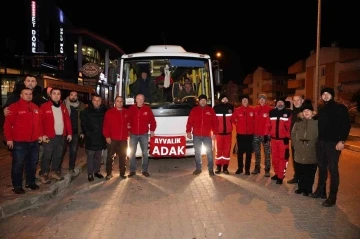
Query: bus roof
165, 50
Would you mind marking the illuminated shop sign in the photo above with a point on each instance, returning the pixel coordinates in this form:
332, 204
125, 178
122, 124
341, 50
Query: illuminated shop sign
33, 27
61, 40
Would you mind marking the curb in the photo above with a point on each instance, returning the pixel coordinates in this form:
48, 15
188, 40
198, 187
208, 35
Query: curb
352, 147
17, 205
354, 137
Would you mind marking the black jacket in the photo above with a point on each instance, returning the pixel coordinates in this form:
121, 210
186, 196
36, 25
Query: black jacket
334, 122
15, 95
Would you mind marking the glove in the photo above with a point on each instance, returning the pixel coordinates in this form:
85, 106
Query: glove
286, 141
266, 139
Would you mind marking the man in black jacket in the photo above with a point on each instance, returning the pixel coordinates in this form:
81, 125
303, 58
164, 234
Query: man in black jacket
334, 129
297, 103
92, 119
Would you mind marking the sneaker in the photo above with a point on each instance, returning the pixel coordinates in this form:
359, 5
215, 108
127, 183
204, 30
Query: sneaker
131, 174
32, 186
123, 176
108, 177
226, 171
279, 181
267, 174
18, 190
197, 171
211, 173
90, 177
44, 179
146, 174
239, 171
292, 181
255, 171
275, 177
57, 176
98, 175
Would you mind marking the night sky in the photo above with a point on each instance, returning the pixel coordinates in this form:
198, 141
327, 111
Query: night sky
272, 34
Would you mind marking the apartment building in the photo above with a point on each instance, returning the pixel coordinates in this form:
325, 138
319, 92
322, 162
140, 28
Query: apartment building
339, 68
264, 81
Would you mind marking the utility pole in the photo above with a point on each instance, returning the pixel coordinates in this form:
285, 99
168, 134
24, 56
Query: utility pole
317, 63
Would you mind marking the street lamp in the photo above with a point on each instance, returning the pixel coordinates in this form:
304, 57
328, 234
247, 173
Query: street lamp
218, 54
317, 56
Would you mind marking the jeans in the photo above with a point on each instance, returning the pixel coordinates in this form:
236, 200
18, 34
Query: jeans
143, 139
52, 154
73, 147
93, 161
207, 141
28, 152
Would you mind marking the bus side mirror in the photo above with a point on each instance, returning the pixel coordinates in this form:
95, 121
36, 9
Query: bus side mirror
218, 76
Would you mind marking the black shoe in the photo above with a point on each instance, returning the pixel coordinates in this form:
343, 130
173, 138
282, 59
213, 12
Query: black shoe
247, 173
239, 171
18, 190
131, 174
292, 181
226, 171
320, 192
98, 175
122, 176
279, 181
90, 177
329, 202
218, 169
306, 194
298, 191
197, 171
211, 173
275, 177
256, 170
32, 186
146, 174
109, 176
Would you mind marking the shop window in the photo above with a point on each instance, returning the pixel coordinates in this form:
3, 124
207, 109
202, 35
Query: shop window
7, 86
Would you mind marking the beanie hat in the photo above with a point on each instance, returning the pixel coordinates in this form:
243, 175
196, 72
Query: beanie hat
222, 96
283, 99
202, 97
244, 97
262, 96
307, 105
328, 90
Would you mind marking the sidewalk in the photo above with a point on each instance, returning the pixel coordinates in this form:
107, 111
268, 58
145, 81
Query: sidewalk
11, 203
353, 142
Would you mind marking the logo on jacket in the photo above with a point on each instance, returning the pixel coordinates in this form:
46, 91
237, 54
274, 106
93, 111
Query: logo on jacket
265, 115
230, 111
251, 114
207, 113
36, 111
145, 113
285, 115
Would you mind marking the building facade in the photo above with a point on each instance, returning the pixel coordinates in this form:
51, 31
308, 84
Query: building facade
339, 68
43, 42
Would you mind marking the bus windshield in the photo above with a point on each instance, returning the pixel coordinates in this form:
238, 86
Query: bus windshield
167, 82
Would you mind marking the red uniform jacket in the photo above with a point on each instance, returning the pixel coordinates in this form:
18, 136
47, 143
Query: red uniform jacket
244, 120
279, 124
261, 119
202, 121
140, 119
48, 121
116, 124
23, 123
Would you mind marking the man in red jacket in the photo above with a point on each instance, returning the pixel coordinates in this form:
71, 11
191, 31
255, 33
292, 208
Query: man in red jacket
141, 117
115, 131
202, 123
261, 135
56, 125
279, 129
223, 112
23, 133
244, 120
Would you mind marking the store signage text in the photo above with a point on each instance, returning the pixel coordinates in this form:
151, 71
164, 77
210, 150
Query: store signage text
33, 26
90, 69
61, 40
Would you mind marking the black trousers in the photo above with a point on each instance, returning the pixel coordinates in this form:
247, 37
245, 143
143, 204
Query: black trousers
328, 159
295, 164
245, 145
306, 176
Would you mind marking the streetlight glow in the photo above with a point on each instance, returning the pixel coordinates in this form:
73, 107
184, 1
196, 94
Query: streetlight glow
218, 54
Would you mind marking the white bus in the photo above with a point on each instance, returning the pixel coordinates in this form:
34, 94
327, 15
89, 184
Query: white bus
171, 112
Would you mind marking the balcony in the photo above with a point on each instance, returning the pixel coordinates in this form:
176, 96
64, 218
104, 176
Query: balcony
349, 76
298, 67
296, 84
248, 79
247, 91
273, 88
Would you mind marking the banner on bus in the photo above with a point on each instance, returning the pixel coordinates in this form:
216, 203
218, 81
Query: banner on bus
167, 146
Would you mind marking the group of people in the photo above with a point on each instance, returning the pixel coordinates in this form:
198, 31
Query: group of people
316, 139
